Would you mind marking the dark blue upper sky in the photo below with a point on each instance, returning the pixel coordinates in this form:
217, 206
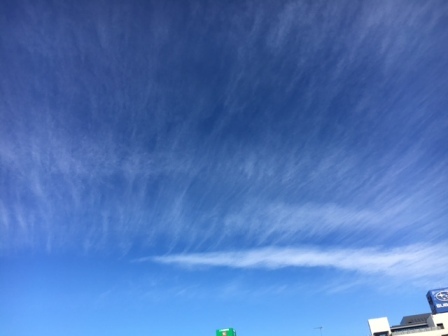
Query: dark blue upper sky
172, 150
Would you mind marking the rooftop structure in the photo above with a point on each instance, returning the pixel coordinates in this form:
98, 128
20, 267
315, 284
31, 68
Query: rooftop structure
428, 324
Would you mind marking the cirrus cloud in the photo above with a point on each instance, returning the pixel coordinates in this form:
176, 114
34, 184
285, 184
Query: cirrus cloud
413, 262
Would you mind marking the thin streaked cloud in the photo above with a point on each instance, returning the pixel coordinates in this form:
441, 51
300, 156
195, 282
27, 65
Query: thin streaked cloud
220, 161
273, 142
409, 263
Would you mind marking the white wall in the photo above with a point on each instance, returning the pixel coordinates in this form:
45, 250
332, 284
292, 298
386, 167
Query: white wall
379, 324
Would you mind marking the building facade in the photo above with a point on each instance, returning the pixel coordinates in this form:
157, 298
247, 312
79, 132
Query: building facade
429, 324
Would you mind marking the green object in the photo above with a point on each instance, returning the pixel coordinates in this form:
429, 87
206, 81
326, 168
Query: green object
226, 332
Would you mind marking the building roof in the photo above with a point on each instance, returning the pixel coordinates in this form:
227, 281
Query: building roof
415, 319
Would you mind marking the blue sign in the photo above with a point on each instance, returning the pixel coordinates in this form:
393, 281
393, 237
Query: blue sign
438, 300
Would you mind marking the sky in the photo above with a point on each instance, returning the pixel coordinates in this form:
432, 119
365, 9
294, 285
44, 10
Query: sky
176, 167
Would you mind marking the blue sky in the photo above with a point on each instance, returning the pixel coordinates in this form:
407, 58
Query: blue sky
175, 167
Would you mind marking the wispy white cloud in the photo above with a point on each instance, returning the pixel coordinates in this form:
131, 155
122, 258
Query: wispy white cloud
290, 223
415, 262
131, 152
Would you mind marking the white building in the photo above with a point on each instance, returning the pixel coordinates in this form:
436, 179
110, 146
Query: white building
435, 324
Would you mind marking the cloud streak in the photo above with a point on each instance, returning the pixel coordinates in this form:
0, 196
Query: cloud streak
295, 124
415, 262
